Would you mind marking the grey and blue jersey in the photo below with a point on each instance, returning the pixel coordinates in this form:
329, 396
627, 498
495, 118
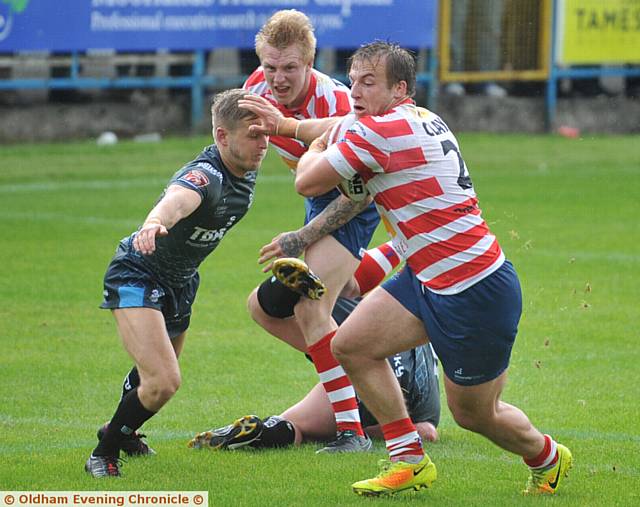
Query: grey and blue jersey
168, 279
225, 200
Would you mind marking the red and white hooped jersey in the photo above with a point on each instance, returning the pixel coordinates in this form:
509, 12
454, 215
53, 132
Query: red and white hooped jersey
411, 164
326, 98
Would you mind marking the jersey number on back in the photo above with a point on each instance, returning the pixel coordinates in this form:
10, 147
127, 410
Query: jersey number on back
463, 177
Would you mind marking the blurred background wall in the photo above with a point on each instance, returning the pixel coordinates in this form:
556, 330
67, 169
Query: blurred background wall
77, 68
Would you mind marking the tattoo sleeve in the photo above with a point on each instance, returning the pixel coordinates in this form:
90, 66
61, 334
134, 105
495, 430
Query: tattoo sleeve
335, 215
291, 244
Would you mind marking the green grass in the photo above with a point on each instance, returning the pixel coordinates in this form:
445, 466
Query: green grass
566, 215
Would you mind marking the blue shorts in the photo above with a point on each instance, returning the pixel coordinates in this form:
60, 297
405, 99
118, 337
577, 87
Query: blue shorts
129, 285
471, 332
355, 234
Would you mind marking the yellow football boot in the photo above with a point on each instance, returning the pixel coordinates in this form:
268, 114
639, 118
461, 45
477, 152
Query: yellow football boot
397, 476
547, 481
296, 275
239, 433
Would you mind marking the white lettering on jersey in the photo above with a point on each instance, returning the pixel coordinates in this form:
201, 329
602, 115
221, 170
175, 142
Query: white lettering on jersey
398, 368
209, 168
207, 235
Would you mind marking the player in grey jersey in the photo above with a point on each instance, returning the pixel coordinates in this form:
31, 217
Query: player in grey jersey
152, 280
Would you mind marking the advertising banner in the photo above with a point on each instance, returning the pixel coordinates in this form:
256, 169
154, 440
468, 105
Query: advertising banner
595, 32
148, 25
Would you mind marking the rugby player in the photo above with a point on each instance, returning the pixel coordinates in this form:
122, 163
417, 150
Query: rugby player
457, 290
151, 282
286, 79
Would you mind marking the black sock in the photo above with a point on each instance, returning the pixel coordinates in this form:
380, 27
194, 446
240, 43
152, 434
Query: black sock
129, 416
277, 432
131, 381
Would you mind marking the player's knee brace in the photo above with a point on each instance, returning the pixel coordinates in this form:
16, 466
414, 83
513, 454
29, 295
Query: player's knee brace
277, 432
277, 300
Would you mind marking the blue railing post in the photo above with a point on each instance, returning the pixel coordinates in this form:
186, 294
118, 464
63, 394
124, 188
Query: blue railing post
432, 90
197, 89
552, 79
75, 66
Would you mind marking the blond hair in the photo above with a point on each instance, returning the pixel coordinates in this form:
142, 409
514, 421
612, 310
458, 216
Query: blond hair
285, 28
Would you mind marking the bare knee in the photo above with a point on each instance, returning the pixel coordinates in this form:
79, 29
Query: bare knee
337, 349
341, 349
468, 418
255, 310
161, 389
348, 348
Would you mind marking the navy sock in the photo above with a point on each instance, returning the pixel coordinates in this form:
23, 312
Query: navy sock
131, 381
277, 432
128, 417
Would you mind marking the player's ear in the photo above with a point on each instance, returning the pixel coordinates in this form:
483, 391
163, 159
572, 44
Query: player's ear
400, 89
221, 136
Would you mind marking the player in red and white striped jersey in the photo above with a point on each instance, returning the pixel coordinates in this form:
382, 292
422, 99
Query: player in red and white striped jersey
457, 290
287, 80
323, 97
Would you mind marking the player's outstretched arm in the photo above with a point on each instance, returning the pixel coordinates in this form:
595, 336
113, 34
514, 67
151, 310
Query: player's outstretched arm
291, 244
274, 123
177, 203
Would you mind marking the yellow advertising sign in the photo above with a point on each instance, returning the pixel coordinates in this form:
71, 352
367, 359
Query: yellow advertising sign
599, 31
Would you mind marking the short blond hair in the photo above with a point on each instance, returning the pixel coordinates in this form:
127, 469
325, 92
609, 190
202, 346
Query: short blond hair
285, 28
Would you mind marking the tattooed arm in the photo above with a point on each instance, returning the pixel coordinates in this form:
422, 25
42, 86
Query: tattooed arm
293, 243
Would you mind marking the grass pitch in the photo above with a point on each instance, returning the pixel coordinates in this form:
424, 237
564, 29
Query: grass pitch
564, 211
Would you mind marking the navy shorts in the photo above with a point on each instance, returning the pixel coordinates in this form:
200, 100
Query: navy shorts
356, 234
471, 332
129, 285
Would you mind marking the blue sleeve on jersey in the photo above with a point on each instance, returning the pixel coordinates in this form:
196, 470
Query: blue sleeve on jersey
202, 177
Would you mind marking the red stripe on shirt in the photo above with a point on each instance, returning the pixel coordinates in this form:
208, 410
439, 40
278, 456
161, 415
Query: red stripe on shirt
255, 78
466, 270
405, 159
343, 106
359, 142
322, 107
401, 195
358, 165
435, 252
289, 145
427, 222
388, 129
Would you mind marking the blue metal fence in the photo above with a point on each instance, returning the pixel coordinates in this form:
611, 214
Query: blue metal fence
203, 25
75, 26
